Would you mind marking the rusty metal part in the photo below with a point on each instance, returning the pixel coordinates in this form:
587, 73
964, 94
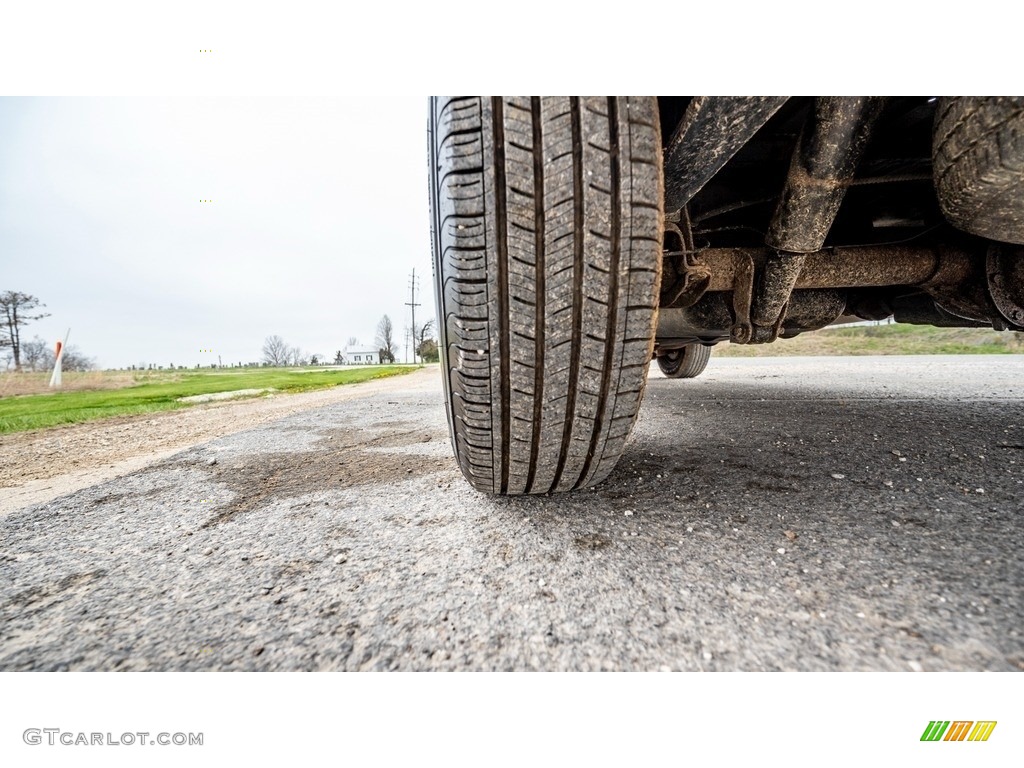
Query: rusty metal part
779, 275
712, 130
861, 267
949, 286
712, 319
1004, 267
960, 288
686, 279
742, 331
822, 167
809, 310
895, 179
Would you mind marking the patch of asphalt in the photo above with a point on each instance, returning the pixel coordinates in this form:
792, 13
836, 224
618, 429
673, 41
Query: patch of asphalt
782, 514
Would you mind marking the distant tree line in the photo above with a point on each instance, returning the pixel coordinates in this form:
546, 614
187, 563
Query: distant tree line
277, 352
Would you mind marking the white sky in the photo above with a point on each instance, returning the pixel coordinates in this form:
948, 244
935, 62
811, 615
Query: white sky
319, 215
306, 127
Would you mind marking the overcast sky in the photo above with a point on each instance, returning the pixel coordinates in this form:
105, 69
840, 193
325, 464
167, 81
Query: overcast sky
319, 208
318, 216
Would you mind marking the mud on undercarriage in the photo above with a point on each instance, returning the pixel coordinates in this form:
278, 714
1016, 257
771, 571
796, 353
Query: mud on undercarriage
787, 215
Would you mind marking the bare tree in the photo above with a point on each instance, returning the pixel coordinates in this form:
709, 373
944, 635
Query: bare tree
425, 332
73, 360
36, 355
352, 342
338, 358
386, 340
275, 351
16, 311
296, 356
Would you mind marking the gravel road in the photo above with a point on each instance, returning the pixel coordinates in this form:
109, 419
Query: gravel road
775, 514
43, 464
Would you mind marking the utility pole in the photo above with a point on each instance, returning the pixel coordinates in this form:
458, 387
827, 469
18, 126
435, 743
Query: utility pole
412, 303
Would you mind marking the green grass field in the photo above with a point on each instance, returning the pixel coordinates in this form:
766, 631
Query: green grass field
159, 391
893, 339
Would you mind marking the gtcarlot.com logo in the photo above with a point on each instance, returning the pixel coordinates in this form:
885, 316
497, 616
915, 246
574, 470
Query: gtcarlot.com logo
56, 736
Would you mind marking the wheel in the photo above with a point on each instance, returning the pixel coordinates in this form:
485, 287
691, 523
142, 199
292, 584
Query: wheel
546, 216
979, 165
686, 363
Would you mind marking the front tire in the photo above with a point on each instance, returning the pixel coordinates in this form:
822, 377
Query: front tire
547, 220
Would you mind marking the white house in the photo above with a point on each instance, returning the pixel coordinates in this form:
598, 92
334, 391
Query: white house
361, 356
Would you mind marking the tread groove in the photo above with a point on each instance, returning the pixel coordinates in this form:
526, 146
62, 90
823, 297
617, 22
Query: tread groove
504, 354
538, 349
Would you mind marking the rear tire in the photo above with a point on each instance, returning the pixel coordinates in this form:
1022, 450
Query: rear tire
546, 219
978, 159
685, 363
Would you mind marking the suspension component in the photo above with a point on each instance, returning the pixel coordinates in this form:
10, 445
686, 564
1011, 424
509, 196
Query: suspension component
712, 130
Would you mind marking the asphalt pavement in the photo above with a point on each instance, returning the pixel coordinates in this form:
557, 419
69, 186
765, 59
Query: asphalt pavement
775, 514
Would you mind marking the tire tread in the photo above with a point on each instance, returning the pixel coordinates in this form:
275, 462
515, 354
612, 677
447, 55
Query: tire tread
546, 222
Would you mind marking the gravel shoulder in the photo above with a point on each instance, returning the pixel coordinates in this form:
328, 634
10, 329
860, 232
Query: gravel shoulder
40, 465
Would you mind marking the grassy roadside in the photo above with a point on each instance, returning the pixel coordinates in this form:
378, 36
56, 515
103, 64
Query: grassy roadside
161, 392
893, 339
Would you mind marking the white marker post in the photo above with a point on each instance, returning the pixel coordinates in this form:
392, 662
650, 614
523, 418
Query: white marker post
57, 358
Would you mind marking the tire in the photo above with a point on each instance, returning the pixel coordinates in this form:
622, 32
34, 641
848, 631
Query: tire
546, 222
978, 161
685, 363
